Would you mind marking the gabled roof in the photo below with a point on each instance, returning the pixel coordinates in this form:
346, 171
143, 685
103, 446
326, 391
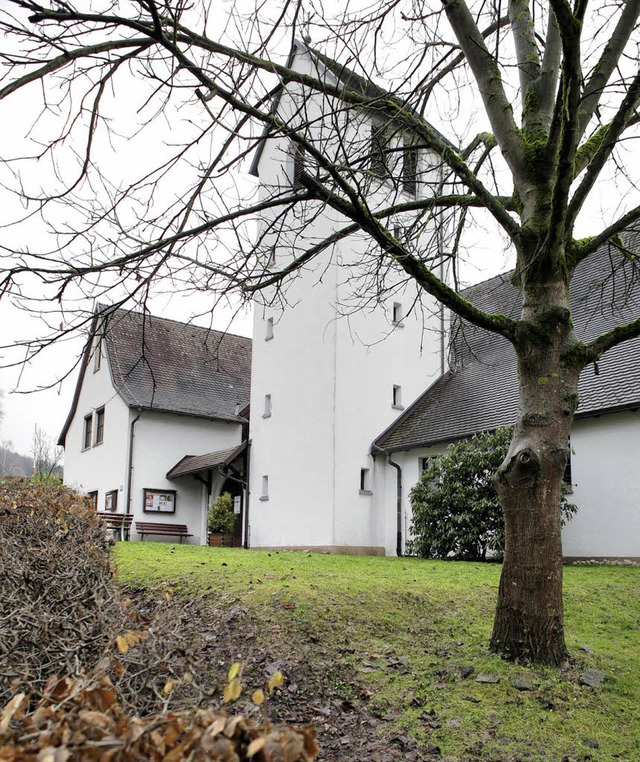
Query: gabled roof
480, 393
193, 464
168, 366
343, 75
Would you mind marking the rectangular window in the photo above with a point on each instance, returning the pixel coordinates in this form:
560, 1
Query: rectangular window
97, 356
396, 313
380, 139
409, 168
93, 499
267, 406
99, 426
272, 257
111, 501
269, 330
88, 431
365, 481
424, 464
396, 397
265, 488
298, 166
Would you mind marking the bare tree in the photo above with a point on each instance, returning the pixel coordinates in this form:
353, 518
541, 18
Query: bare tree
556, 87
46, 455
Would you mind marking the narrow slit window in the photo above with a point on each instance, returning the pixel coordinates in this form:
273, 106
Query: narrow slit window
409, 168
97, 356
269, 329
380, 139
298, 165
267, 406
365, 480
396, 313
396, 396
265, 488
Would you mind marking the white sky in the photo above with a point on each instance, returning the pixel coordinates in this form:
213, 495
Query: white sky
48, 408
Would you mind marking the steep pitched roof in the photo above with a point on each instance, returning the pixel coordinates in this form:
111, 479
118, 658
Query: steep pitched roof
176, 367
343, 75
481, 392
165, 365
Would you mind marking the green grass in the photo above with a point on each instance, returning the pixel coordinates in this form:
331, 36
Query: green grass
406, 627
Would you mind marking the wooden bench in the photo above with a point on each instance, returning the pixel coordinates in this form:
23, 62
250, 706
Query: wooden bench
152, 527
119, 522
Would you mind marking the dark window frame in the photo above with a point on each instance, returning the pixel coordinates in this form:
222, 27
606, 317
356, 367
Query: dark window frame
87, 432
99, 427
112, 496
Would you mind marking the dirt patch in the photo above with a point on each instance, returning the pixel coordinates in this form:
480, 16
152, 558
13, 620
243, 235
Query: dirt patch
192, 644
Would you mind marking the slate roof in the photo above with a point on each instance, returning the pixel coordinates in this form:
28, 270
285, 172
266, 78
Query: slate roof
193, 464
161, 364
481, 392
165, 365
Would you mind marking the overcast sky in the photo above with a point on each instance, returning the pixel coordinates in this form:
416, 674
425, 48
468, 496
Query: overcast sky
49, 408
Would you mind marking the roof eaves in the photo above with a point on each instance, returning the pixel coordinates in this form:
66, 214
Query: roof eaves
378, 442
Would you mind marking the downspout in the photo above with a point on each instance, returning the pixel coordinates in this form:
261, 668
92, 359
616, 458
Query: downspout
130, 461
398, 504
245, 544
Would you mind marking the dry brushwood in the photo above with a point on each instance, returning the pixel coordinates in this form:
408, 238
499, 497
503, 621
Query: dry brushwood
81, 720
59, 603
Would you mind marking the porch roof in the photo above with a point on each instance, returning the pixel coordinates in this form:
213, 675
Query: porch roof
193, 464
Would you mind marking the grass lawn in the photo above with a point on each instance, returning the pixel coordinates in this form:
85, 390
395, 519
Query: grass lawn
409, 637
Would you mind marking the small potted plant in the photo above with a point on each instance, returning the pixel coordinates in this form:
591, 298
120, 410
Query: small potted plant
221, 521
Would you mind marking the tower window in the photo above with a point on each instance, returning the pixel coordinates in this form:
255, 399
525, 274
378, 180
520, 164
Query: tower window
396, 397
380, 139
365, 481
265, 488
298, 166
267, 406
269, 329
396, 313
409, 168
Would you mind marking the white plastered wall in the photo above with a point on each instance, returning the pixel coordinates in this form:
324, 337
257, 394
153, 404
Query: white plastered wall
160, 441
606, 488
329, 370
101, 467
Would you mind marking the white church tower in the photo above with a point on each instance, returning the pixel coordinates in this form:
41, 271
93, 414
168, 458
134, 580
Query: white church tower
342, 349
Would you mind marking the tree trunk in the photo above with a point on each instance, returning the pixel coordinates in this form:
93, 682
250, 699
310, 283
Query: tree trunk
529, 615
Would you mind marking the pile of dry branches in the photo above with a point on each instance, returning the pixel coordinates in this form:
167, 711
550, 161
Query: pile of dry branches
81, 720
59, 603
61, 614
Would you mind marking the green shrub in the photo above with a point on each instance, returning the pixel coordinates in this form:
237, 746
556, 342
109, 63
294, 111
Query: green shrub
221, 518
456, 512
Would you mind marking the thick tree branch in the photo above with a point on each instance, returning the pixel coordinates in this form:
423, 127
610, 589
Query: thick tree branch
610, 138
609, 59
582, 249
524, 41
487, 75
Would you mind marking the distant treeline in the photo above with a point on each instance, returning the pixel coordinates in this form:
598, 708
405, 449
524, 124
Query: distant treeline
14, 464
